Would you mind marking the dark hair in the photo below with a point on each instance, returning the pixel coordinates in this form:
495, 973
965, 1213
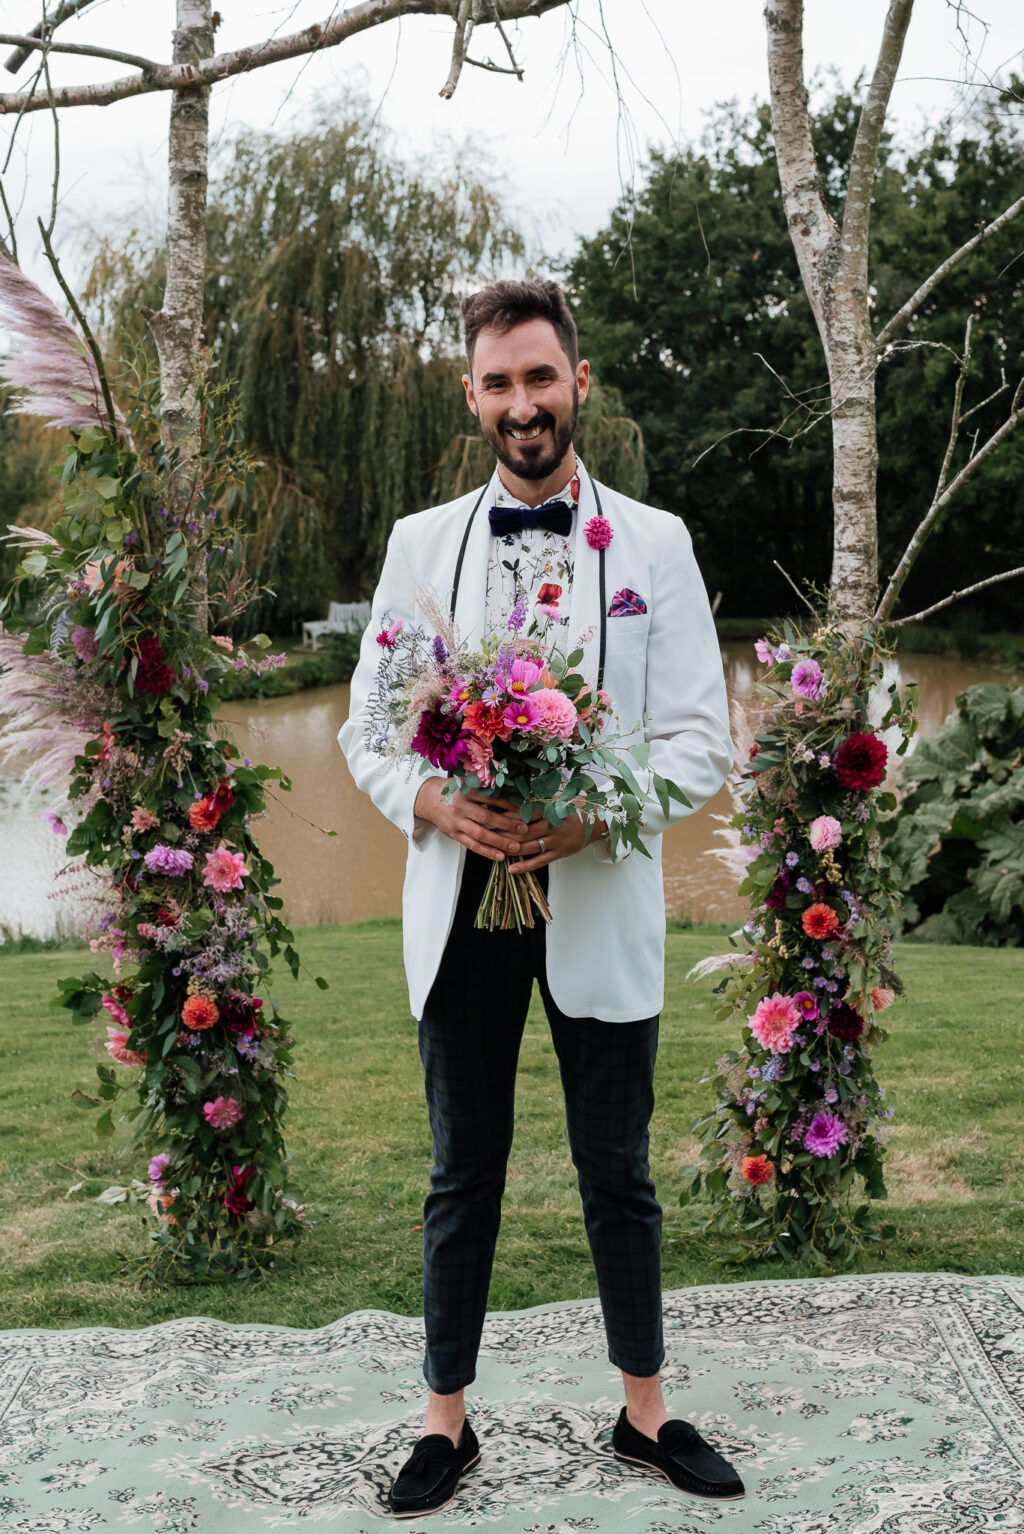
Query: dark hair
503, 305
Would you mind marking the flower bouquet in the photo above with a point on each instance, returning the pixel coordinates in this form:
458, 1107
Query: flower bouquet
514, 719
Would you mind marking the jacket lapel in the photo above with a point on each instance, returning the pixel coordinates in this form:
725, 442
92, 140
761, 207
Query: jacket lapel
470, 568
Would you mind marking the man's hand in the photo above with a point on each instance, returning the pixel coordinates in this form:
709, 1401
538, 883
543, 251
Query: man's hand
491, 827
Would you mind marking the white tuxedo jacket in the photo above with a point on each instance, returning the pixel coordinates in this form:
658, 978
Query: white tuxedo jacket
663, 671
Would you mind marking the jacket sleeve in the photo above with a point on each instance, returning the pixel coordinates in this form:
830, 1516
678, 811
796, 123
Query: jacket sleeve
392, 789
686, 715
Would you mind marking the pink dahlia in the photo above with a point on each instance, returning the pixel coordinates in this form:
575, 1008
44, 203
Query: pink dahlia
116, 1011
522, 714
825, 1134
477, 756
557, 712
774, 1022
599, 532
225, 870
117, 1048
222, 1113
825, 832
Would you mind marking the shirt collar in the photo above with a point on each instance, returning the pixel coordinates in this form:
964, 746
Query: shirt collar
502, 496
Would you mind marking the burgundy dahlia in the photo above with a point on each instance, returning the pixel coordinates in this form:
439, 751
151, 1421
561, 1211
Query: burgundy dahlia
153, 674
845, 1022
860, 762
236, 1198
241, 1013
440, 738
776, 899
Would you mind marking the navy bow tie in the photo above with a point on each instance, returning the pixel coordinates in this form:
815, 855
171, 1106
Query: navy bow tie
556, 516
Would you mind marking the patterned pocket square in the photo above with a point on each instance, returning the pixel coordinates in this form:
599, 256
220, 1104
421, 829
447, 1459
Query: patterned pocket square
626, 603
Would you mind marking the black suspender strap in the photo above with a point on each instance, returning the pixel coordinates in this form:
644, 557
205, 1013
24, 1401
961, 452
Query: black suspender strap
462, 550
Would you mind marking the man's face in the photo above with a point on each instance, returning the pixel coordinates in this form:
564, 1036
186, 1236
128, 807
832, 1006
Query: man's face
526, 395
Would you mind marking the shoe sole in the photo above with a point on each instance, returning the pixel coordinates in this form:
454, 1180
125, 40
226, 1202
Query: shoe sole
736, 1496
425, 1512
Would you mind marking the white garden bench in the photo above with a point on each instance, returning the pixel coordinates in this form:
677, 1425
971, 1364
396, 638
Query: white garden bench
342, 618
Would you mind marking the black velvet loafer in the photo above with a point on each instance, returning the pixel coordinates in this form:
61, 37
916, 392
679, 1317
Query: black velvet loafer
429, 1478
681, 1456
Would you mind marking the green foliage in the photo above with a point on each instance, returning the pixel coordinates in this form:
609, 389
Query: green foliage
958, 839
25, 484
691, 305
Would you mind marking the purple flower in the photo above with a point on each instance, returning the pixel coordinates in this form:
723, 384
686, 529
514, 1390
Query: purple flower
808, 963
157, 1165
831, 1095
168, 860
805, 886
808, 680
773, 1068
84, 643
440, 653
764, 651
517, 617
440, 739
825, 1135
55, 823
776, 898
792, 859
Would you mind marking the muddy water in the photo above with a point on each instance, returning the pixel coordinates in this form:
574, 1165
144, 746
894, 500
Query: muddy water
358, 873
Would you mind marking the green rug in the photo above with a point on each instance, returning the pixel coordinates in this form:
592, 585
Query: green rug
890, 1403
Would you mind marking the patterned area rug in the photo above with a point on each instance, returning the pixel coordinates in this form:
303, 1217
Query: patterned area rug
892, 1403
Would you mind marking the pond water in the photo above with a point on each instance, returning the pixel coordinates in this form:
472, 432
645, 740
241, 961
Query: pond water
358, 873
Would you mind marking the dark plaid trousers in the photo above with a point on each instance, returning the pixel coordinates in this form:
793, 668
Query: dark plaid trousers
469, 1038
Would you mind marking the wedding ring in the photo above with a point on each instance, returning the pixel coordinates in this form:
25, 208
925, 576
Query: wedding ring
540, 844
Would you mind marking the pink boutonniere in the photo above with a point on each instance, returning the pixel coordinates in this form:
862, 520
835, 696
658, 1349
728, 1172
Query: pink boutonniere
599, 532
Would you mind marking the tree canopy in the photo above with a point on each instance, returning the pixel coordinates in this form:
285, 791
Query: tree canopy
691, 305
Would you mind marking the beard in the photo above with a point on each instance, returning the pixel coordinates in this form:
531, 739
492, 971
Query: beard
525, 459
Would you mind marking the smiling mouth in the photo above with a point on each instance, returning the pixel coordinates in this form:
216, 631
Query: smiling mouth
524, 436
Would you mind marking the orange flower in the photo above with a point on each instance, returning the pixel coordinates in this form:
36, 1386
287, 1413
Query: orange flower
485, 722
199, 1012
757, 1169
203, 815
820, 921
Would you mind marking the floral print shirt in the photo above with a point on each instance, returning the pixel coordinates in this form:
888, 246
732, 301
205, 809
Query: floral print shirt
536, 565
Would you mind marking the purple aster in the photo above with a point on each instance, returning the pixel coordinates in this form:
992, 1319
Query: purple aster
440, 739
831, 1095
791, 859
805, 886
168, 860
825, 1135
809, 963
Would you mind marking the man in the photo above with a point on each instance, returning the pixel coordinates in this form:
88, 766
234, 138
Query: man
639, 608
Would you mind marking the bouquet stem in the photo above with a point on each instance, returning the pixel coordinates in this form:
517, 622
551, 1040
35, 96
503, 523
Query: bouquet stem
509, 900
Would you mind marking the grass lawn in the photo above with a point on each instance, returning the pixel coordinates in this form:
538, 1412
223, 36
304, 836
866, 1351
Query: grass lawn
360, 1148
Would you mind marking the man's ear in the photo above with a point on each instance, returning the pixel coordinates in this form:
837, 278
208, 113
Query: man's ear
467, 384
583, 378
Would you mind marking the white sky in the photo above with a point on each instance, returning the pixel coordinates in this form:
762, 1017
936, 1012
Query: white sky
557, 153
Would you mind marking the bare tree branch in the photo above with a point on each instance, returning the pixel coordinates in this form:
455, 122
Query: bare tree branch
968, 591
863, 163
941, 502
356, 19
21, 54
915, 300
85, 50
460, 42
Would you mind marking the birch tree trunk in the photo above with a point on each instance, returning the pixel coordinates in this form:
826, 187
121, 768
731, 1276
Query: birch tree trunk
177, 328
834, 267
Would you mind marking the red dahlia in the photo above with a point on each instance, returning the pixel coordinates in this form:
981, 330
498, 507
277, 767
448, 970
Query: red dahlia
845, 1022
860, 762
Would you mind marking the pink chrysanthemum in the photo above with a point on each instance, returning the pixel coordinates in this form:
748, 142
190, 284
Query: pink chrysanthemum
599, 532
774, 1021
225, 870
557, 712
825, 1134
222, 1113
168, 860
